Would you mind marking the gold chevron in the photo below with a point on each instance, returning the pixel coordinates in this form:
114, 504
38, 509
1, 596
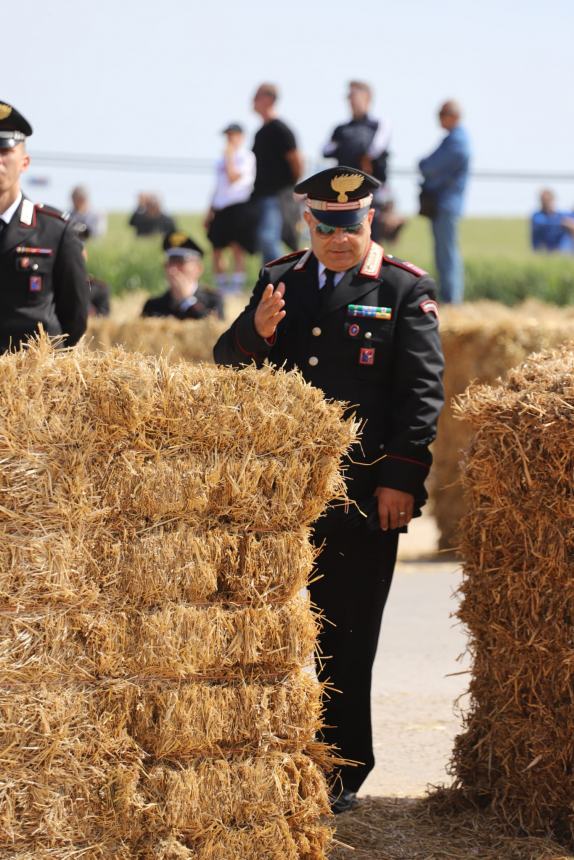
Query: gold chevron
177, 239
346, 182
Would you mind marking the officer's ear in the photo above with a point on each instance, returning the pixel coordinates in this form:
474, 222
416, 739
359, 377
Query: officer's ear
24, 158
370, 215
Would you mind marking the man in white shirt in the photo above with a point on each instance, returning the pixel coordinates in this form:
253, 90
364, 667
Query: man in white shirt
230, 222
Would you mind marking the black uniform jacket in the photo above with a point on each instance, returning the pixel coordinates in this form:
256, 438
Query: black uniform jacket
42, 277
373, 343
207, 302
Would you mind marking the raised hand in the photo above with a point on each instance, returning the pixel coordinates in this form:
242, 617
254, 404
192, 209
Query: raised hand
270, 311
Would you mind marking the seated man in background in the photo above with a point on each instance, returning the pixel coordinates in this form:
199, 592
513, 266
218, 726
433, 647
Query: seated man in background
550, 229
184, 299
149, 218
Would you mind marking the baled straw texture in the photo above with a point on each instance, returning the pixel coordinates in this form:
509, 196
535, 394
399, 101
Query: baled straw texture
178, 340
153, 540
482, 341
156, 565
174, 642
132, 441
517, 753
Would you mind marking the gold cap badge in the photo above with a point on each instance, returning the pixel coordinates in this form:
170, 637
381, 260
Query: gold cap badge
177, 239
346, 182
5, 111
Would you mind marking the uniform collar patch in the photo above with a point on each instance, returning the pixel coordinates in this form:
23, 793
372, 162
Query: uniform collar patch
372, 262
27, 213
300, 265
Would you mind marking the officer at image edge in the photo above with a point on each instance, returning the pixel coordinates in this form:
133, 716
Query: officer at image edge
42, 269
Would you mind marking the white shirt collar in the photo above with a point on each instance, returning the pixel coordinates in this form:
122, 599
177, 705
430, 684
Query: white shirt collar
8, 214
323, 276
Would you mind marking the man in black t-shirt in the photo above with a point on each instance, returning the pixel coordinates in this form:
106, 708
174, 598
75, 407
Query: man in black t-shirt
363, 143
279, 166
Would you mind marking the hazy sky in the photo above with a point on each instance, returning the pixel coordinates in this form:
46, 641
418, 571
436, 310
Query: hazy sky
141, 78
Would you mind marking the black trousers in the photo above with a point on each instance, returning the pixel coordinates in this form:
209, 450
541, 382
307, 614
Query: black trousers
355, 568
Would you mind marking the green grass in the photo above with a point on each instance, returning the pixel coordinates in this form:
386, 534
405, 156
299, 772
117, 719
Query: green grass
498, 261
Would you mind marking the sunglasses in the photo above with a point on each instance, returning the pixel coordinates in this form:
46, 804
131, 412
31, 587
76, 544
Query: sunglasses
327, 230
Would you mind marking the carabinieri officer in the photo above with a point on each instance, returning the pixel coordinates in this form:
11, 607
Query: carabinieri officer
42, 273
363, 327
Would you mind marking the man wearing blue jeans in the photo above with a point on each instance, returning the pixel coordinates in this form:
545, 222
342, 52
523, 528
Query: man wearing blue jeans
278, 167
445, 174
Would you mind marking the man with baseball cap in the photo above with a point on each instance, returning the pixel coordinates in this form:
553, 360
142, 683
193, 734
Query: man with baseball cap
363, 327
185, 298
42, 270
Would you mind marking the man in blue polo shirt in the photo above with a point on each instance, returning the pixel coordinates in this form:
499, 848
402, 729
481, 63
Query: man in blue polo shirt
445, 174
549, 227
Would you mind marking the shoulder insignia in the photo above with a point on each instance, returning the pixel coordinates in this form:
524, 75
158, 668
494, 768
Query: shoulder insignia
429, 306
27, 213
51, 210
373, 261
286, 259
404, 264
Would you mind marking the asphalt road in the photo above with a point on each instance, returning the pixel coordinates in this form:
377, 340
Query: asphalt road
414, 688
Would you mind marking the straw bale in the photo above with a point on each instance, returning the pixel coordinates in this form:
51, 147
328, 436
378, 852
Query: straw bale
65, 398
179, 723
482, 341
272, 841
173, 642
517, 753
162, 564
64, 728
102, 438
258, 493
154, 538
179, 340
84, 754
243, 791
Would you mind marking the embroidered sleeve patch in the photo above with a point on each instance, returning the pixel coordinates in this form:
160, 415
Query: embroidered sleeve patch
429, 306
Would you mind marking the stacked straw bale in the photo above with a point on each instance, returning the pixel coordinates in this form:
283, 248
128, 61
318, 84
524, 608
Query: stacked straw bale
482, 342
189, 340
517, 752
154, 701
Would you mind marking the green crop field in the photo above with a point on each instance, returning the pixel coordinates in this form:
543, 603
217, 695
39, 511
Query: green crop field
498, 261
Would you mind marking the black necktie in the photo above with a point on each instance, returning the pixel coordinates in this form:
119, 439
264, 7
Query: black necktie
2, 225
328, 286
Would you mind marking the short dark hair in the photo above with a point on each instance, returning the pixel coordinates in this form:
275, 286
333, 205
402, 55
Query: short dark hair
267, 89
361, 85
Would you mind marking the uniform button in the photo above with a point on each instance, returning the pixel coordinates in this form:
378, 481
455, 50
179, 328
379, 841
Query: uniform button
368, 334
316, 331
35, 267
313, 360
